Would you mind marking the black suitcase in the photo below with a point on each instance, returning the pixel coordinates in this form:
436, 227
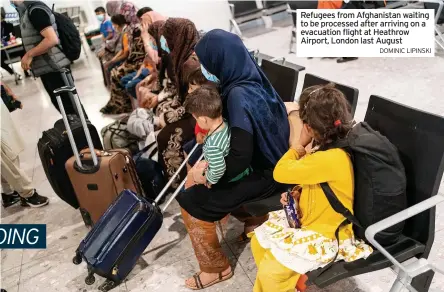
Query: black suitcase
54, 150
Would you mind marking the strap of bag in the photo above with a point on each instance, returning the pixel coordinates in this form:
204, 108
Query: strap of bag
337, 205
341, 209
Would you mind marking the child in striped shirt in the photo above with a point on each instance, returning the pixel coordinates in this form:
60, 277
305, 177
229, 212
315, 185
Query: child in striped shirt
205, 105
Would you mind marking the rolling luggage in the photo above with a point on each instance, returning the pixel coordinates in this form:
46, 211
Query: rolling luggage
113, 246
54, 150
96, 176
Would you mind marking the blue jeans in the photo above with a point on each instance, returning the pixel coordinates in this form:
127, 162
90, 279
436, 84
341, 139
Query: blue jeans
130, 84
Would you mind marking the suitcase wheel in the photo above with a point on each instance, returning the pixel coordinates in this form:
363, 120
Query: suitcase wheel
77, 259
90, 279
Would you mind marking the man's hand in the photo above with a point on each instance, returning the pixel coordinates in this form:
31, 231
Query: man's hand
26, 61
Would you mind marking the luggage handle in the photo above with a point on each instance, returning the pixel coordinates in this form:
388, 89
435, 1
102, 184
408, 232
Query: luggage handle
177, 191
156, 201
71, 89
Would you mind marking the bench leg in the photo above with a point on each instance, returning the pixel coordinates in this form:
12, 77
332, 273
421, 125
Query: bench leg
292, 40
401, 279
422, 282
441, 44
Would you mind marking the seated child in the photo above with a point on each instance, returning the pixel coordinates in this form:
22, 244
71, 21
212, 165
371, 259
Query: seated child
195, 81
282, 254
205, 105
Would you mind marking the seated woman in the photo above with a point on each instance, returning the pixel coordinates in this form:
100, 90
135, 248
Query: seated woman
259, 137
151, 60
121, 48
283, 253
119, 101
178, 39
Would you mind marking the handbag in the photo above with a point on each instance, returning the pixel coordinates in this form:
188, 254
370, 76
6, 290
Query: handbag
116, 135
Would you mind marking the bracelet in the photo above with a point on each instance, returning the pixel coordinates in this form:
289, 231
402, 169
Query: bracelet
296, 110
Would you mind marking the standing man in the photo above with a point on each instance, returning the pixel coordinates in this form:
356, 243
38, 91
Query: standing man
16, 185
44, 55
106, 27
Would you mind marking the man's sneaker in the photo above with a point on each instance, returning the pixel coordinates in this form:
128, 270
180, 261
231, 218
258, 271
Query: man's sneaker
34, 201
10, 199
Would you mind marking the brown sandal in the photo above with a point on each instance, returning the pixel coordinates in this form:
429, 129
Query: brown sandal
200, 286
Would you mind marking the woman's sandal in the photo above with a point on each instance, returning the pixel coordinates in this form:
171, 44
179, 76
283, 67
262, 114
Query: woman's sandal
200, 286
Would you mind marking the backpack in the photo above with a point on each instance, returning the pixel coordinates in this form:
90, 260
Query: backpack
380, 183
69, 36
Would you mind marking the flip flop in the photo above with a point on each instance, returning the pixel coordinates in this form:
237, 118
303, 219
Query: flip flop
200, 286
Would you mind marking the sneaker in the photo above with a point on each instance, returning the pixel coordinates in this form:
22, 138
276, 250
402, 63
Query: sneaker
10, 199
34, 201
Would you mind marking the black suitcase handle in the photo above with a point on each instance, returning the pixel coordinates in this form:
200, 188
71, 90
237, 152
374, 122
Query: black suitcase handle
71, 91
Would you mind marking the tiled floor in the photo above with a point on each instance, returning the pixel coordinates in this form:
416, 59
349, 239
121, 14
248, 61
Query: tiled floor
169, 259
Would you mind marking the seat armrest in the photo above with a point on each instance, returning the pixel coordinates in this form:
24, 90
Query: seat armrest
372, 230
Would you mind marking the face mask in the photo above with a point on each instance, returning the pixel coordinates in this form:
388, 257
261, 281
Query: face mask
100, 17
208, 75
153, 46
164, 45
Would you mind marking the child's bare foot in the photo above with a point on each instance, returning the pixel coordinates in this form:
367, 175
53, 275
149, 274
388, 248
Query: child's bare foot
203, 280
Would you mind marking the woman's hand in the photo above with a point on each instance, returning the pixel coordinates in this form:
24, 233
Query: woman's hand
162, 122
198, 172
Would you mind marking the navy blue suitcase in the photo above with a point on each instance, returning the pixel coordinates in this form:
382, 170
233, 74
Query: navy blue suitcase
115, 243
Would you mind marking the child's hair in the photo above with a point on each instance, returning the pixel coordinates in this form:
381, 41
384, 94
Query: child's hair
118, 19
204, 101
100, 10
326, 110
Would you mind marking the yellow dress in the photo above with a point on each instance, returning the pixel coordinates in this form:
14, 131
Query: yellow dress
314, 245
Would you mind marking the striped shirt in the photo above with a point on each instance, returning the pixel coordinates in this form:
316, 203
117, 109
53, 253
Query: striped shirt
215, 148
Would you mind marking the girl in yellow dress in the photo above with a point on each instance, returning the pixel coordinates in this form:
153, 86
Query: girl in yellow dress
283, 253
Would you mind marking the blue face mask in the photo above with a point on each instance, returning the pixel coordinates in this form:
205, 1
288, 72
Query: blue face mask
164, 45
208, 75
152, 45
100, 17
13, 5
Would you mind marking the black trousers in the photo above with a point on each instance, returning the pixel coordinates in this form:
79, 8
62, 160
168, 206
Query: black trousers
52, 81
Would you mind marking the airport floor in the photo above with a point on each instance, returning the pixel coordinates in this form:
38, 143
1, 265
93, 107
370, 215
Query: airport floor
417, 82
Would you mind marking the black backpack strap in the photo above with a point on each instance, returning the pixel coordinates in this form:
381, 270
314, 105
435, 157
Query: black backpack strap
341, 209
338, 206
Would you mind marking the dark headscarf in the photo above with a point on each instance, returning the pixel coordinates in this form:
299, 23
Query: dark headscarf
155, 30
181, 36
165, 63
250, 102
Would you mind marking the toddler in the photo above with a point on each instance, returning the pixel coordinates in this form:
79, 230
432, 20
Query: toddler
205, 105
